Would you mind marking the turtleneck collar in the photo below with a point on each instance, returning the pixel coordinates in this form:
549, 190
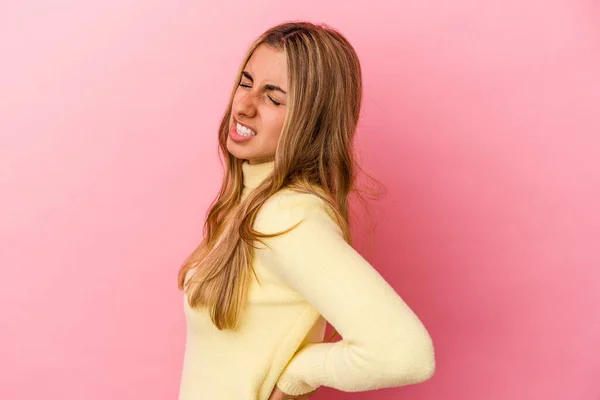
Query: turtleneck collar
254, 174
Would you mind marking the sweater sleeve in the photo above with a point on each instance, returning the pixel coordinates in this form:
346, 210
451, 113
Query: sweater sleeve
384, 344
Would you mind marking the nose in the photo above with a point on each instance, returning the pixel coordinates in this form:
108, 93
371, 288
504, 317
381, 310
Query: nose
243, 105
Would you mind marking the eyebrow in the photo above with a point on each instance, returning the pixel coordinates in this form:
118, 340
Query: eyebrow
267, 86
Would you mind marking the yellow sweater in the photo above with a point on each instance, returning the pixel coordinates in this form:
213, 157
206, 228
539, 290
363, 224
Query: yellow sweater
308, 275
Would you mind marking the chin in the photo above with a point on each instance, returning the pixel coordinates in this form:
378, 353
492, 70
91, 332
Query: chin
236, 151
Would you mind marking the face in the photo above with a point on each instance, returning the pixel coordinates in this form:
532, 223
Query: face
259, 106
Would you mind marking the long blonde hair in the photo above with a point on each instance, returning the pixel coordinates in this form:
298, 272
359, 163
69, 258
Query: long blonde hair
314, 155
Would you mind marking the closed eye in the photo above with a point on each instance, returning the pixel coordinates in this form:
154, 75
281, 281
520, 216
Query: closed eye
275, 102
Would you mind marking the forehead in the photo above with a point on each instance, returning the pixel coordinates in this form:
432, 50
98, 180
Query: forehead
269, 65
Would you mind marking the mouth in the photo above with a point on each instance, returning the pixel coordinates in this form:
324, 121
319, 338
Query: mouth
241, 133
243, 129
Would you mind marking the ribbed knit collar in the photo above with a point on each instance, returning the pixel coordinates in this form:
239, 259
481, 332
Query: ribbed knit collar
254, 174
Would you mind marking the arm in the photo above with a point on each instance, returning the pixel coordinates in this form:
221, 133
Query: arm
384, 343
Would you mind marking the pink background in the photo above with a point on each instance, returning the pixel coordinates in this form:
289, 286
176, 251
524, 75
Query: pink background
481, 118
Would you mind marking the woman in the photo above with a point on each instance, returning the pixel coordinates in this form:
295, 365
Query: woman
276, 260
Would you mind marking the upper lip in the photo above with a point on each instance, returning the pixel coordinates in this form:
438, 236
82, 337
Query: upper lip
247, 126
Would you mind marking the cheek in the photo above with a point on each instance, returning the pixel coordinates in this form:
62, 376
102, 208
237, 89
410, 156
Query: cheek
276, 123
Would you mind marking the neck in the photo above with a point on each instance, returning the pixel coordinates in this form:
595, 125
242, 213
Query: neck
255, 174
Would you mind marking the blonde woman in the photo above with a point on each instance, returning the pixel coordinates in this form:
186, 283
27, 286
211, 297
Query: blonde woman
276, 261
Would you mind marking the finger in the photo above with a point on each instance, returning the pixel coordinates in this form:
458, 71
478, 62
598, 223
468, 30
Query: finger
277, 395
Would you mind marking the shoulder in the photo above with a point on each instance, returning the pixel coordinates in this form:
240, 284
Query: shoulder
288, 207
290, 198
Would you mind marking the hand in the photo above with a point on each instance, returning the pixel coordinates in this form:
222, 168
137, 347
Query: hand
279, 395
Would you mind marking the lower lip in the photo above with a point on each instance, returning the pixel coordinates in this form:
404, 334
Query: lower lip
236, 137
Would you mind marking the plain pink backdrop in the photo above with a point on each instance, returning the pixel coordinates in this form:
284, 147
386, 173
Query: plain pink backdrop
481, 119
